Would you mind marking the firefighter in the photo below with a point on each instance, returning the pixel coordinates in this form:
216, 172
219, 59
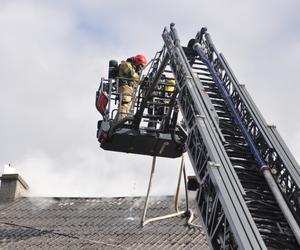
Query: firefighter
153, 108
170, 88
161, 95
129, 77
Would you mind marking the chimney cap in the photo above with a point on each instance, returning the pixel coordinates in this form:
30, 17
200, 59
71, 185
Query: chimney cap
12, 187
5, 177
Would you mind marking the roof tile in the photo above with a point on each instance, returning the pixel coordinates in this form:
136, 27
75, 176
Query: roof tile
94, 223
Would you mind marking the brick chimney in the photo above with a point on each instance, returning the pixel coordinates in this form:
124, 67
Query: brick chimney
12, 187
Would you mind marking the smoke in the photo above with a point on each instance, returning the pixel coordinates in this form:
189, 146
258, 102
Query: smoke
92, 172
40, 203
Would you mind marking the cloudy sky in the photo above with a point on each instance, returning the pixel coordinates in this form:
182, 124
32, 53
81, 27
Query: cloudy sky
53, 53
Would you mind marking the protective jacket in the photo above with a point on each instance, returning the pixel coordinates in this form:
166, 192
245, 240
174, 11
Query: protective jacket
128, 73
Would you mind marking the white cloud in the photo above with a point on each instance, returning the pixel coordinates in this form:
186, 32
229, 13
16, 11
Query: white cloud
53, 54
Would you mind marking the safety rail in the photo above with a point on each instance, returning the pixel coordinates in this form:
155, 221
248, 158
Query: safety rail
153, 82
109, 90
154, 134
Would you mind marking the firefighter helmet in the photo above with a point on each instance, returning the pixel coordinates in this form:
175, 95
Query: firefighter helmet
140, 60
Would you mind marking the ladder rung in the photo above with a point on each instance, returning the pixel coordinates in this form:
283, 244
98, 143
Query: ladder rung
158, 104
152, 116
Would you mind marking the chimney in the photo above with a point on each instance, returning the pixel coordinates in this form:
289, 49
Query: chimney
12, 187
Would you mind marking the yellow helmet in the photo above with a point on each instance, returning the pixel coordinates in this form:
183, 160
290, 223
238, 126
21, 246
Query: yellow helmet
171, 88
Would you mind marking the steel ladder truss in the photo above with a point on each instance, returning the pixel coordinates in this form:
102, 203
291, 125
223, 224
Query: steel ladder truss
234, 200
223, 210
153, 83
261, 203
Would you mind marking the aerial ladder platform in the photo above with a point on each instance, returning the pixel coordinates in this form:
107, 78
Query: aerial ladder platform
248, 195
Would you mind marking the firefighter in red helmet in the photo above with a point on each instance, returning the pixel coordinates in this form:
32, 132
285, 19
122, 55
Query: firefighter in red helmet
129, 77
140, 61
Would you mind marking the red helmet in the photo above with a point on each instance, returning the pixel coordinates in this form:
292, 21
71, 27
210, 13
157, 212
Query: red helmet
140, 60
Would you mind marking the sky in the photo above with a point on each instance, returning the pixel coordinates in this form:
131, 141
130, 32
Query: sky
53, 54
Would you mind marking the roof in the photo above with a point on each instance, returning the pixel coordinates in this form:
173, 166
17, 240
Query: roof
94, 223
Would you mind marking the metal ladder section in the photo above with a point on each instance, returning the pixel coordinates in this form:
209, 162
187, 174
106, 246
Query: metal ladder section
225, 216
261, 203
153, 96
237, 208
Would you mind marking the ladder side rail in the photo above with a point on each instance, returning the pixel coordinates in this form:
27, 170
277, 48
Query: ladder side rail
282, 154
273, 136
255, 114
109, 97
241, 223
212, 216
214, 117
270, 131
285, 173
262, 165
145, 81
286, 178
215, 178
170, 115
209, 111
139, 114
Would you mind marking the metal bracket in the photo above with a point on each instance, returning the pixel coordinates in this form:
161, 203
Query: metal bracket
186, 212
213, 164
